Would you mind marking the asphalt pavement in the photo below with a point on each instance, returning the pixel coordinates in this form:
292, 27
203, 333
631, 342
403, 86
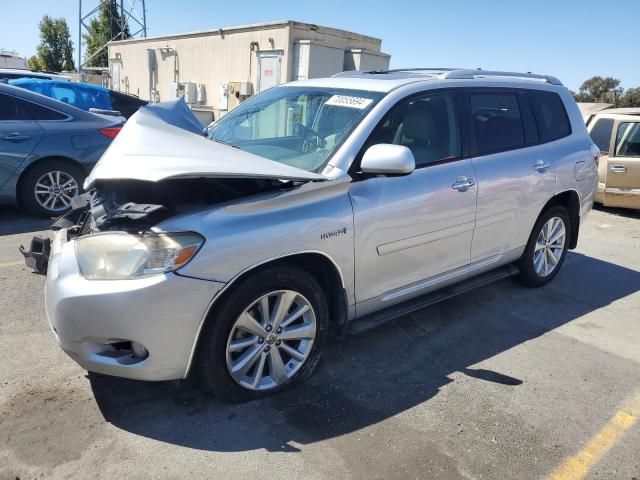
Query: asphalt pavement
504, 382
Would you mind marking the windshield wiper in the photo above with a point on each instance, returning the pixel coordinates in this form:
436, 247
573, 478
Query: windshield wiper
225, 143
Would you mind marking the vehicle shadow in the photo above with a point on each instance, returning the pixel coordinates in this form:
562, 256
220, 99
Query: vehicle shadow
14, 221
620, 212
373, 376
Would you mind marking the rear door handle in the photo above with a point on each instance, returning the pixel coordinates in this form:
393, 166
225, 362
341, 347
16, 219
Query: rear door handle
617, 169
541, 166
15, 137
462, 184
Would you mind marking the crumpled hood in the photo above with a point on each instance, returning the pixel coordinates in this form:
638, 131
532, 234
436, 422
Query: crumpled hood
164, 140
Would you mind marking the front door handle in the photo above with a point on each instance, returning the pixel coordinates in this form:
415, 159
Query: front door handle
15, 137
541, 166
617, 169
462, 184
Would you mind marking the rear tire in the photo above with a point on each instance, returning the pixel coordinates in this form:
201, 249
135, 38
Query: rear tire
47, 188
546, 249
224, 331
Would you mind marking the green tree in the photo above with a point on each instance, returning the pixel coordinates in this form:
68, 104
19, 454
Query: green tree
599, 89
107, 26
631, 98
55, 51
34, 63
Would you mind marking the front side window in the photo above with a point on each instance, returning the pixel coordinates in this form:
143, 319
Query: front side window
497, 122
427, 125
601, 133
297, 126
551, 115
628, 139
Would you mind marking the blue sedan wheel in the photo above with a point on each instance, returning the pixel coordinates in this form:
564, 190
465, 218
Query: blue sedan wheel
47, 188
54, 190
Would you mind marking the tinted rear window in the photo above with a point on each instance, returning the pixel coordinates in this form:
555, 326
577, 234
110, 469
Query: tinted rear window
497, 122
601, 133
10, 110
553, 122
38, 112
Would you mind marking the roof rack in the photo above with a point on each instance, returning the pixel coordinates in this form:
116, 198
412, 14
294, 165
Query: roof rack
454, 73
431, 72
479, 73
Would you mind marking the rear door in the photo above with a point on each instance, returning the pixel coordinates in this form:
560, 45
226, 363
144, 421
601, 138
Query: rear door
623, 169
516, 174
19, 136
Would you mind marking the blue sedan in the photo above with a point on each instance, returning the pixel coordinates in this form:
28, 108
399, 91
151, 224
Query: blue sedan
47, 148
85, 96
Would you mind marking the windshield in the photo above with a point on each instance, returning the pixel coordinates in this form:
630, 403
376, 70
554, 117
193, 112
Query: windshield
297, 126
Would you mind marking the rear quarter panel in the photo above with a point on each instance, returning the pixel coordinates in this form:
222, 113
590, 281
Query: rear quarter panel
576, 169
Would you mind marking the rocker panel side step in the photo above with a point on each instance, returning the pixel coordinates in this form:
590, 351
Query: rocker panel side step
379, 318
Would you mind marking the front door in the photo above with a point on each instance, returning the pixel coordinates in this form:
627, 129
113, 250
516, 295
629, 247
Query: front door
19, 136
409, 229
623, 168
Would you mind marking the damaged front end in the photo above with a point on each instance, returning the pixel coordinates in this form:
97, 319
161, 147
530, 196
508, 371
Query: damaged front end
135, 206
158, 166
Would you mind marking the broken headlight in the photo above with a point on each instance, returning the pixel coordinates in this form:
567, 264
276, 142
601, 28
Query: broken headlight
119, 256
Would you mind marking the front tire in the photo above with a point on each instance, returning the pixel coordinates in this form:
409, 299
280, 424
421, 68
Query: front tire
266, 335
546, 249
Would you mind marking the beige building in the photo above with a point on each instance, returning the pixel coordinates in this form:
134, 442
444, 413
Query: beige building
213, 70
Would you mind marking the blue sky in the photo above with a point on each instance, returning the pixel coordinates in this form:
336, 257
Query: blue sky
571, 39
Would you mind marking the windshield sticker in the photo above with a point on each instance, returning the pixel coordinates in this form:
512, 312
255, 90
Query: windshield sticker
349, 101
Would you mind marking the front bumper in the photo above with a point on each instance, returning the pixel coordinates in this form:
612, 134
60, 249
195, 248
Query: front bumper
92, 319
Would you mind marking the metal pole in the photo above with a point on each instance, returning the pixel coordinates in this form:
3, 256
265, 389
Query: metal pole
80, 39
144, 20
122, 19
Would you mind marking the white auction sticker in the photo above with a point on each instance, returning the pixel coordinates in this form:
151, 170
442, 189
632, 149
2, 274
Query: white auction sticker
349, 101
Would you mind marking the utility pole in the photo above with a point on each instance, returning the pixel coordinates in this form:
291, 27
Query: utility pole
131, 11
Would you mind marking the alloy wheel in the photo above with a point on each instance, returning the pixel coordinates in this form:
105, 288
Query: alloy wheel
54, 190
549, 246
270, 340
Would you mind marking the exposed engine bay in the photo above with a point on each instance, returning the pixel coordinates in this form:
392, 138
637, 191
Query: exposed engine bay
135, 206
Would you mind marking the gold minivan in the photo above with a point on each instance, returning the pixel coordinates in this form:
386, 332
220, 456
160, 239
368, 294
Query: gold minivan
616, 132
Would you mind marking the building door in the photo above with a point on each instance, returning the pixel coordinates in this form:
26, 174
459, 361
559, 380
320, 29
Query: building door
269, 65
116, 68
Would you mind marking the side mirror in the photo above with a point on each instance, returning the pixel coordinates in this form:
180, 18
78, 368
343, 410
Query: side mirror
387, 159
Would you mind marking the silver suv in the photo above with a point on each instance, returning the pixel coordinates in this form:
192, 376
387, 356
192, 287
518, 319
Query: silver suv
330, 203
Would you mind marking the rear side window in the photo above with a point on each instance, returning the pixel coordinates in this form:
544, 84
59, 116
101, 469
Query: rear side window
10, 109
38, 112
64, 94
497, 122
553, 122
601, 133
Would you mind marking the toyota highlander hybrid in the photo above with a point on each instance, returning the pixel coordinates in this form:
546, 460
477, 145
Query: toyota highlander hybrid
329, 203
